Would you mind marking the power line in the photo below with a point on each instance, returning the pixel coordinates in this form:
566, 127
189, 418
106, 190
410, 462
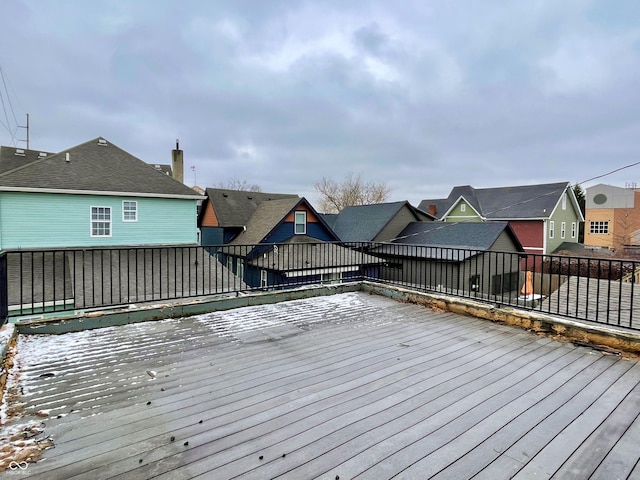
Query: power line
609, 173
6, 89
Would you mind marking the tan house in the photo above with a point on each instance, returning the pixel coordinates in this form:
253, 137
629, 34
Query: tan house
612, 218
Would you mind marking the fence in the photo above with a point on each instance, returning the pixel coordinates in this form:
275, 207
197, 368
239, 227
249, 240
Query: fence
47, 281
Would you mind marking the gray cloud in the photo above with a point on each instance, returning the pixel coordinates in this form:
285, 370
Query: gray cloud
423, 95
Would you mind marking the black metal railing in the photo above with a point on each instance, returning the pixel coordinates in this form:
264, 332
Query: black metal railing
48, 281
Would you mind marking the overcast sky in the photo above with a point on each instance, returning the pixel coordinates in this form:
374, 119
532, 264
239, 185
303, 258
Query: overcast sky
423, 95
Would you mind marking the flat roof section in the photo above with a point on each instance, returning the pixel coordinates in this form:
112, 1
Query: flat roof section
350, 386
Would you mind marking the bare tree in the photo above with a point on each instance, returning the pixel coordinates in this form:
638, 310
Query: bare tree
352, 191
237, 184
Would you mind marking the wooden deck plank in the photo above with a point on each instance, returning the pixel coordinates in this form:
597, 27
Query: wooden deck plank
484, 451
549, 460
366, 442
351, 385
263, 377
387, 337
412, 444
592, 452
337, 420
209, 437
513, 458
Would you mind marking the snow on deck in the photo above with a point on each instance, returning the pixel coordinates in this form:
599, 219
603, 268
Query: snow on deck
349, 386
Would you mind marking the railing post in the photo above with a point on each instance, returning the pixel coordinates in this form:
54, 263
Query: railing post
4, 290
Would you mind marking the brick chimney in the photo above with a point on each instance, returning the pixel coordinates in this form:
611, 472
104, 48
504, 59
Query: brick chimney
432, 210
177, 163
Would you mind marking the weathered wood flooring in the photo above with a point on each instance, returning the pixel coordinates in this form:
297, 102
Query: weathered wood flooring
348, 386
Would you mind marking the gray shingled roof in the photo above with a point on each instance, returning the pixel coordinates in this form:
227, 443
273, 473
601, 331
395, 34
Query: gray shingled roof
507, 203
234, 208
447, 240
473, 235
362, 223
304, 253
264, 219
12, 157
94, 166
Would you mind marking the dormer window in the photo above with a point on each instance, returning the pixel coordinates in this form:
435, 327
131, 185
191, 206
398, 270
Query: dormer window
300, 223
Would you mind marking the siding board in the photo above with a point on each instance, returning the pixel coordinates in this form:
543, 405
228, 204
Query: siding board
39, 220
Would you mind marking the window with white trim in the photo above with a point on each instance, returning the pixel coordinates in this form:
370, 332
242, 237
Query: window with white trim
100, 221
264, 279
129, 211
463, 207
564, 201
300, 223
574, 229
563, 230
599, 227
552, 228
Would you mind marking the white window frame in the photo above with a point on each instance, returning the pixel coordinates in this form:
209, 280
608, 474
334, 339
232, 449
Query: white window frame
552, 228
463, 207
300, 219
563, 230
564, 201
574, 229
129, 214
264, 279
101, 222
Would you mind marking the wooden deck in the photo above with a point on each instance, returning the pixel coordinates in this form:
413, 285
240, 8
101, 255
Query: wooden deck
348, 386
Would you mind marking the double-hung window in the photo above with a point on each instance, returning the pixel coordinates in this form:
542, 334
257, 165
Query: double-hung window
563, 230
300, 227
100, 221
129, 211
552, 229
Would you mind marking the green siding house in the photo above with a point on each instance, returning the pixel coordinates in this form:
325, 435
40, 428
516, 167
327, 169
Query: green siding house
91, 195
544, 217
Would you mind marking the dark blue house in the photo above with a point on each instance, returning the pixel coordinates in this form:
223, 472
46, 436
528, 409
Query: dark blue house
286, 242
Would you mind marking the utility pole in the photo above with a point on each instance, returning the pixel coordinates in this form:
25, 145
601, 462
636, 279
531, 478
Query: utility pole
27, 128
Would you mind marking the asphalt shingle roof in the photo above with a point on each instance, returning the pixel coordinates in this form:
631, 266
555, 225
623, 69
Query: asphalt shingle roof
518, 202
12, 157
234, 208
312, 254
94, 166
362, 223
265, 217
447, 240
472, 235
